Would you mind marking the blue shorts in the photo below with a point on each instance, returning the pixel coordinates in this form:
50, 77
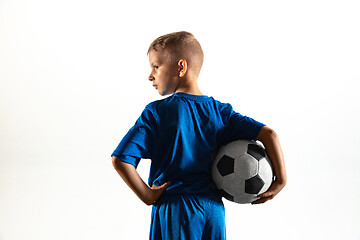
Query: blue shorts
192, 217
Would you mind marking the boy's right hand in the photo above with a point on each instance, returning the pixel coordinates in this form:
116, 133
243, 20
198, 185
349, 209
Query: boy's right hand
157, 191
131, 177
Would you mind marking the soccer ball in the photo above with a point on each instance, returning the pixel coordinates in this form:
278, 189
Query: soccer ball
241, 170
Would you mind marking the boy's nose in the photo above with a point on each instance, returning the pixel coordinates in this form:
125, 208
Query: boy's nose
151, 78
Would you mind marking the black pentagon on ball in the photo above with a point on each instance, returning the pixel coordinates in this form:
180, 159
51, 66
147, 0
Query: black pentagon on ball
254, 185
226, 195
225, 165
256, 151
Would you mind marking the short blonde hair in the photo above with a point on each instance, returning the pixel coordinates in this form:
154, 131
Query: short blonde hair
178, 45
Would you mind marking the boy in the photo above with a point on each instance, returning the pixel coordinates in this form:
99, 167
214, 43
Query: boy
180, 134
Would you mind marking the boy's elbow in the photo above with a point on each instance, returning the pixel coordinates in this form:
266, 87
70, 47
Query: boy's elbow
267, 133
272, 134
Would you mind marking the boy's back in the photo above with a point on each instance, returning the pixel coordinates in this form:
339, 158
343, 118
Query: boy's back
180, 135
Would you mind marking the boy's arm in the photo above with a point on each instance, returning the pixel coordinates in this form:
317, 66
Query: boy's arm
273, 149
131, 177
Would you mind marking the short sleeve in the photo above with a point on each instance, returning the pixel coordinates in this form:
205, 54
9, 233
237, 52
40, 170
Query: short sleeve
137, 143
239, 126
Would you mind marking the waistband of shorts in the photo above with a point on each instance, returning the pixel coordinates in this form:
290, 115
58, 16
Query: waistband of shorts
166, 197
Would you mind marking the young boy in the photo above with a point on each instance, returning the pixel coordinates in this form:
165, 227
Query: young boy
180, 134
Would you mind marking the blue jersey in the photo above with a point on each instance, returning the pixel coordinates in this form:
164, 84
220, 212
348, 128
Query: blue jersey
180, 134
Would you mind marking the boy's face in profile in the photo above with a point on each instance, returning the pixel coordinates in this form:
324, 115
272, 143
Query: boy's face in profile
164, 72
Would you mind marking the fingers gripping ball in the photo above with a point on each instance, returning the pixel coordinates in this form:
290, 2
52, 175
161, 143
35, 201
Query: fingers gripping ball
241, 170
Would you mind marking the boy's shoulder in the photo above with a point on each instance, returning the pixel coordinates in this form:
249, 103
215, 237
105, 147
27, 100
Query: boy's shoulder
172, 102
159, 107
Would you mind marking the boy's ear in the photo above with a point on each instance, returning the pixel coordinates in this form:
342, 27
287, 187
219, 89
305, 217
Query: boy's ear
182, 67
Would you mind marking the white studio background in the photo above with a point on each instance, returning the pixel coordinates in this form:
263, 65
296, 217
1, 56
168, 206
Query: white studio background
73, 80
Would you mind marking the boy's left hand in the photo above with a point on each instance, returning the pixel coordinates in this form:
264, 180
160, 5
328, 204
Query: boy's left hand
275, 188
273, 149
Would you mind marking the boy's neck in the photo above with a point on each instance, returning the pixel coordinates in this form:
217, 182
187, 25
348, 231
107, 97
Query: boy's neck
190, 87
193, 91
